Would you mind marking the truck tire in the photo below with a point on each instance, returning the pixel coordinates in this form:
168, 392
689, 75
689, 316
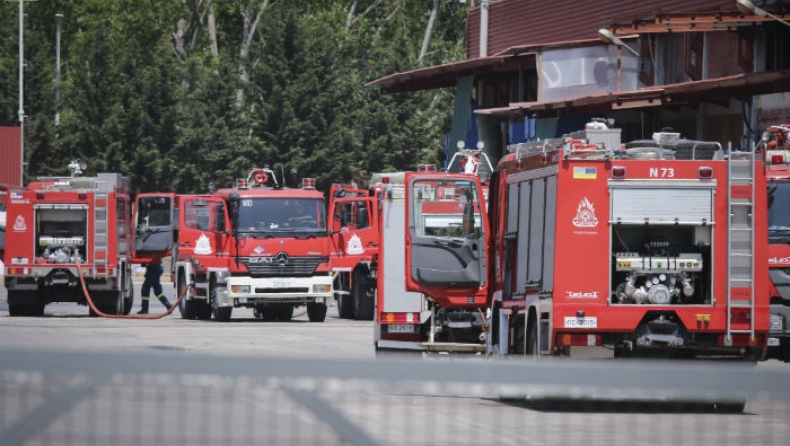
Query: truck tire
532, 337
362, 298
316, 312
128, 301
345, 306
24, 303
201, 309
518, 335
108, 302
221, 314
187, 306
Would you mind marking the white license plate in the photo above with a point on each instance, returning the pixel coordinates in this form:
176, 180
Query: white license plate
581, 322
400, 328
773, 342
280, 285
242, 300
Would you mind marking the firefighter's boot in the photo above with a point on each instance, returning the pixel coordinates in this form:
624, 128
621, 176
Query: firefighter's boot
164, 301
144, 306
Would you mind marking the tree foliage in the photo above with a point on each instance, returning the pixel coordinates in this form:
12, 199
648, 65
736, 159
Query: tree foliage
180, 94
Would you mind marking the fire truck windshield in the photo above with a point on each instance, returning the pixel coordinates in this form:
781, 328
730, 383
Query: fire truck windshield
779, 211
264, 216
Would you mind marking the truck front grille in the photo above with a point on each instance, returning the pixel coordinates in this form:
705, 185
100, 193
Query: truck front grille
293, 290
294, 267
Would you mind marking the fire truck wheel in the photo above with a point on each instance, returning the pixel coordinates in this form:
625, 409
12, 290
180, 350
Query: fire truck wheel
221, 314
316, 312
128, 301
362, 298
345, 306
109, 302
518, 335
24, 303
532, 337
187, 306
202, 310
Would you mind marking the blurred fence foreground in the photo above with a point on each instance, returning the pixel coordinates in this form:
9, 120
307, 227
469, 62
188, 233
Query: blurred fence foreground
131, 399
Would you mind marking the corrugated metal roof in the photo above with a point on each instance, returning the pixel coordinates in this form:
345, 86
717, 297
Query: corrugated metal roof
514, 23
659, 96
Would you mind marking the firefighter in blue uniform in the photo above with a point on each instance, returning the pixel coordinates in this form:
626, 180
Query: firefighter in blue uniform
153, 271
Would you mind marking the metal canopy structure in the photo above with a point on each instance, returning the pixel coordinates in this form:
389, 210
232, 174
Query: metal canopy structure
446, 75
694, 22
670, 95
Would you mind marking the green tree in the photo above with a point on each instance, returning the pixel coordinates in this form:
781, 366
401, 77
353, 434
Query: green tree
184, 93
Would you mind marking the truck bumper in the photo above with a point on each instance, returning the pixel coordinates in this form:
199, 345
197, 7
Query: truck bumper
251, 292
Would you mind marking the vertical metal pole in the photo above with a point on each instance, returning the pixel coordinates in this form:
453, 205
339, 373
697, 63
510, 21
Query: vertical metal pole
59, 19
619, 74
484, 28
21, 94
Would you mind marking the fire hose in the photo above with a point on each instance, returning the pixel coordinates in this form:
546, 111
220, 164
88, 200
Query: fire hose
122, 316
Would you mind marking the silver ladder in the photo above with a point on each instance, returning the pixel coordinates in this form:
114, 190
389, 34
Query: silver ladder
740, 242
100, 229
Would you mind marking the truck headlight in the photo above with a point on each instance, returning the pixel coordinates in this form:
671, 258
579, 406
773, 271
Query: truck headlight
239, 289
322, 288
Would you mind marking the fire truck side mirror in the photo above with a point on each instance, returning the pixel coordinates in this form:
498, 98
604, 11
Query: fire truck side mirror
220, 212
234, 201
345, 216
362, 217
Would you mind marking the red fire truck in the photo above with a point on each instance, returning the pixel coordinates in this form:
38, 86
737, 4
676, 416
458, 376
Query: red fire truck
775, 147
57, 222
354, 230
434, 298
648, 248
256, 245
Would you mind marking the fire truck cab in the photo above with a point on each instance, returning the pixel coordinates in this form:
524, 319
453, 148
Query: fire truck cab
433, 263
354, 230
255, 245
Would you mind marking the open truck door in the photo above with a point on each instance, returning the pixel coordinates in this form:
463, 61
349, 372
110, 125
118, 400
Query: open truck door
154, 226
354, 228
203, 226
446, 232
355, 239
